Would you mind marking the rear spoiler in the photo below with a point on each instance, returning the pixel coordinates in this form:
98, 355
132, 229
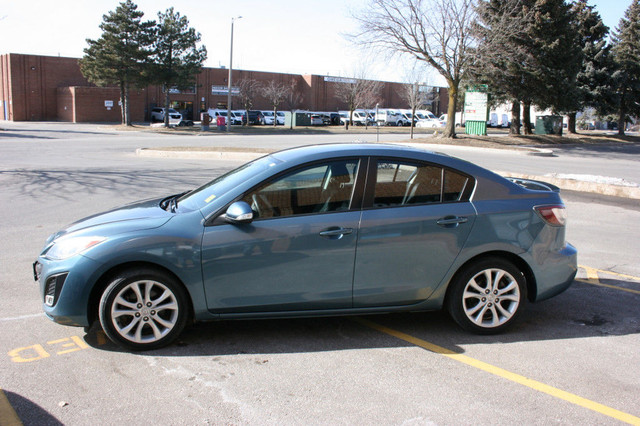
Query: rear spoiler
535, 185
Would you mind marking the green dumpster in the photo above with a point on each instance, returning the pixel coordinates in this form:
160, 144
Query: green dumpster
548, 125
475, 128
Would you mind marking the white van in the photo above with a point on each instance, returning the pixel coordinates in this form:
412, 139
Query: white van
389, 117
215, 113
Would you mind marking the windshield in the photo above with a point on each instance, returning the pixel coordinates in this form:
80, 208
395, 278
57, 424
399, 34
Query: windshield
267, 113
201, 197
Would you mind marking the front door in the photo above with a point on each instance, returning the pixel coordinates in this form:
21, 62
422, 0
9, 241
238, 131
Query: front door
297, 254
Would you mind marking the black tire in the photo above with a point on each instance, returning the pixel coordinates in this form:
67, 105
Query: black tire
484, 307
152, 305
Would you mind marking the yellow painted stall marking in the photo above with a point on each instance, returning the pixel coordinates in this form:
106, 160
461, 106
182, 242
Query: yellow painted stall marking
533, 384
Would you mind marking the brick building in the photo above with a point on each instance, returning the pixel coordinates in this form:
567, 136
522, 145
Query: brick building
46, 88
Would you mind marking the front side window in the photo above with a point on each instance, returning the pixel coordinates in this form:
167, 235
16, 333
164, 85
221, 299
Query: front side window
320, 188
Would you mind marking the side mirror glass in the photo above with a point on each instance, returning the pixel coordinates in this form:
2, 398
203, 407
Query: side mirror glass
239, 212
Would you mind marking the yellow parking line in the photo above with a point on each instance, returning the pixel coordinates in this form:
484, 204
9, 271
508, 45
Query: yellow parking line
615, 287
617, 274
8, 416
594, 279
533, 384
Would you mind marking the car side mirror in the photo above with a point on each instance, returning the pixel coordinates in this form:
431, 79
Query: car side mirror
239, 212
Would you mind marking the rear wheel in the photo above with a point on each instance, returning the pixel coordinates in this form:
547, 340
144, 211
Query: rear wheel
487, 296
143, 309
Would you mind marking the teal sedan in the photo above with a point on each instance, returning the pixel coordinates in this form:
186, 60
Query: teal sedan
336, 229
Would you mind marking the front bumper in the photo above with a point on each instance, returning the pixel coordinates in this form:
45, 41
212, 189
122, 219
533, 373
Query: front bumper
65, 288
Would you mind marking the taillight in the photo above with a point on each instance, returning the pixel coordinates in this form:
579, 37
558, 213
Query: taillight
554, 215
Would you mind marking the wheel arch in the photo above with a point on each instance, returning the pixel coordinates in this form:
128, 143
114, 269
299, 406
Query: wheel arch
516, 260
104, 280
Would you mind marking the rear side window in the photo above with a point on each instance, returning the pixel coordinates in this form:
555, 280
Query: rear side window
400, 184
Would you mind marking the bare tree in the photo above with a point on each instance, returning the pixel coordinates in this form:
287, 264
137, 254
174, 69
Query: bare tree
434, 31
248, 89
275, 93
415, 93
358, 93
293, 99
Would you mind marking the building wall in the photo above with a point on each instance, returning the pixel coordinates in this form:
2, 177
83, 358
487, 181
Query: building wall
36, 88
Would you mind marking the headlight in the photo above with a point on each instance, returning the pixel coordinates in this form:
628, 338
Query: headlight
65, 248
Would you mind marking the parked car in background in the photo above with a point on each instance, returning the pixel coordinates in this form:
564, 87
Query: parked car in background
428, 119
279, 237
214, 113
267, 118
359, 117
460, 121
236, 117
157, 115
389, 117
255, 117
316, 120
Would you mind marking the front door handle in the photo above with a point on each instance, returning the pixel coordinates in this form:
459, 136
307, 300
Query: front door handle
336, 232
451, 221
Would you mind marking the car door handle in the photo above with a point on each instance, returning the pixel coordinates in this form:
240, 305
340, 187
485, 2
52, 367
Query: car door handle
337, 232
451, 221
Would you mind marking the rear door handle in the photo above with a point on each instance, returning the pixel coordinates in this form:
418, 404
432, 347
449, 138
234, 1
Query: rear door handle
337, 232
451, 221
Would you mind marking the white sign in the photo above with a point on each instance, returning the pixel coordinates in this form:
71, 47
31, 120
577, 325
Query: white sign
224, 90
340, 80
476, 106
108, 104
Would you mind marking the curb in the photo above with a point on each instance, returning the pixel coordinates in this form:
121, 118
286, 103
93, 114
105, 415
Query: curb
210, 155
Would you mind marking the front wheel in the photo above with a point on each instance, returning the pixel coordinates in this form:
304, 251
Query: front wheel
487, 296
143, 309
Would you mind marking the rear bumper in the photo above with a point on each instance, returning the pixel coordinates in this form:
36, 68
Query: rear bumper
556, 273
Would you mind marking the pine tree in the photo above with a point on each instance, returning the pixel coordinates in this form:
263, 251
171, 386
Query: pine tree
594, 83
119, 56
527, 52
177, 58
626, 53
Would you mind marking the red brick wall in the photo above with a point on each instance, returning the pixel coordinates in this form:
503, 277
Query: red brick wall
87, 104
41, 87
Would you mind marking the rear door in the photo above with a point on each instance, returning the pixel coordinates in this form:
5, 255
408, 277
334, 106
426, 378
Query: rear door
416, 219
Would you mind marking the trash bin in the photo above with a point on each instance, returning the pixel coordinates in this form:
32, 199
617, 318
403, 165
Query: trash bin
221, 123
204, 121
548, 125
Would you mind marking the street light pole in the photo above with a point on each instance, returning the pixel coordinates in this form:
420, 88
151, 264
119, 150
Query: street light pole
377, 125
229, 78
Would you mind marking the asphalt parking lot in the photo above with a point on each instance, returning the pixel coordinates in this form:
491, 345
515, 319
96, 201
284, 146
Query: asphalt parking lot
570, 360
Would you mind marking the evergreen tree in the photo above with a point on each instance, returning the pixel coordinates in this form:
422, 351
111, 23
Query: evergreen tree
594, 83
501, 58
119, 56
177, 58
626, 53
527, 52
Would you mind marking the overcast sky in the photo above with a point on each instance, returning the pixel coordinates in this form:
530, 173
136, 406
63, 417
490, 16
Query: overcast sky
290, 36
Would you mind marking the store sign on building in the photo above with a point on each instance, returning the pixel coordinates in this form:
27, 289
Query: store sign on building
108, 105
340, 80
224, 90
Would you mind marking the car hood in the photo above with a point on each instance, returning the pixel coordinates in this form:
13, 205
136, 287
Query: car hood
141, 215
